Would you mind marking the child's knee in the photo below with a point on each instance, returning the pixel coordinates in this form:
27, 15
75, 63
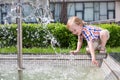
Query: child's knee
104, 34
87, 49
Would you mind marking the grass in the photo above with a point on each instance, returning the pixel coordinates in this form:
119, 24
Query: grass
49, 50
114, 49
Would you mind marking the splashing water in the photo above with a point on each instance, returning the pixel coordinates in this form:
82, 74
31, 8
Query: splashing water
51, 70
36, 11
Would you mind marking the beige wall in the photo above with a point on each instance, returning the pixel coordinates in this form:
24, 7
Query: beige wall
117, 12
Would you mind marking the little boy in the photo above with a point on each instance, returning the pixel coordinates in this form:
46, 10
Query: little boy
96, 37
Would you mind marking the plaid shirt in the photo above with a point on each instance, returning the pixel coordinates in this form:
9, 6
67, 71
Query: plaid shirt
90, 32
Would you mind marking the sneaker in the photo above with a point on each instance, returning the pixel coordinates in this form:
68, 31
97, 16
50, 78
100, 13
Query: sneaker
98, 48
102, 50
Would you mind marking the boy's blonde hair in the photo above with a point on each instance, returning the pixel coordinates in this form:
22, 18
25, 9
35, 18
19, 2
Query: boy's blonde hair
74, 20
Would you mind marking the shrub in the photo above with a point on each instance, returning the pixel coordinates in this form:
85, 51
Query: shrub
63, 36
37, 35
114, 30
8, 35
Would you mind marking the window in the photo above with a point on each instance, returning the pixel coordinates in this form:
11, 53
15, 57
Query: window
111, 6
52, 9
57, 12
79, 10
0, 14
3, 12
88, 12
103, 11
96, 7
96, 11
111, 10
96, 16
27, 9
79, 14
79, 6
111, 15
70, 9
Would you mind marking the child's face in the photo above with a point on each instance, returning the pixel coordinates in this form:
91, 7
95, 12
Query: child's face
76, 29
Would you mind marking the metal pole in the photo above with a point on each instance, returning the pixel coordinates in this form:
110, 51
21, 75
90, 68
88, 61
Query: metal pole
19, 41
19, 35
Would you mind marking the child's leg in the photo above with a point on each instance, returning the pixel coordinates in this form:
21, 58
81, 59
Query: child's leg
87, 50
95, 45
104, 36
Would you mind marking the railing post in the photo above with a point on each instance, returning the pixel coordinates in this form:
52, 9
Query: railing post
19, 40
19, 35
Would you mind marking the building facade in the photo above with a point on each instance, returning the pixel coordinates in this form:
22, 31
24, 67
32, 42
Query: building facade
88, 10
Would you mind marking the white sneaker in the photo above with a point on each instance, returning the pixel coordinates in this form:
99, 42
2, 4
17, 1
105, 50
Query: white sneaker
102, 50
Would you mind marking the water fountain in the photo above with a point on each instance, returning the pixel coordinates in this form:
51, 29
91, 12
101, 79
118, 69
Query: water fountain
49, 67
39, 7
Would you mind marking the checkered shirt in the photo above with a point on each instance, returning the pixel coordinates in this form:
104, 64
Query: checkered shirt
91, 32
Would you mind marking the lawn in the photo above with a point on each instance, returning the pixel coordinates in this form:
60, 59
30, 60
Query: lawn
13, 50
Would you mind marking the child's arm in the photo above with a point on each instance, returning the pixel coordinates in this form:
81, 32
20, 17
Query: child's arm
79, 44
91, 48
92, 51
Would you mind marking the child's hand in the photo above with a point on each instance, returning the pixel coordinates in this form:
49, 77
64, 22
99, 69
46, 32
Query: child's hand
95, 62
74, 52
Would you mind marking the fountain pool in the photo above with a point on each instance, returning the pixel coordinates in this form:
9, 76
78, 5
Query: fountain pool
49, 67
58, 67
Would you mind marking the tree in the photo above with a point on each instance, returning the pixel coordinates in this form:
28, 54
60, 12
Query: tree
63, 18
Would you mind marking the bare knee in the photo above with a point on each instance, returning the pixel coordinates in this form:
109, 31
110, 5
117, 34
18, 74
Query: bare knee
87, 49
104, 35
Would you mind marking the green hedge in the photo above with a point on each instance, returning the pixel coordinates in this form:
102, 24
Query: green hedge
8, 34
63, 36
114, 30
36, 35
